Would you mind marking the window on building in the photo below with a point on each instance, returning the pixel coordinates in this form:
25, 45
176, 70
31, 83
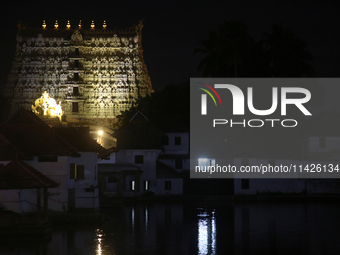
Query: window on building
322, 142
80, 173
203, 162
167, 185
132, 185
74, 106
146, 185
77, 51
72, 171
76, 76
178, 163
76, 91
139, 159
76, 63
244, 183
77, 172
178, 140
165, 140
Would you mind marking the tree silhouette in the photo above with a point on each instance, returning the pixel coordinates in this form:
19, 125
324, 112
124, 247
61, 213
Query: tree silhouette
284, 55
168, 109
231, 52
228, 51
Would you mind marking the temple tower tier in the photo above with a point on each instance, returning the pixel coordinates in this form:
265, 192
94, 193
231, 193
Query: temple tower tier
95, 73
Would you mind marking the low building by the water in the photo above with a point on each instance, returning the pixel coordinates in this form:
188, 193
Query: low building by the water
133, 167
66, 157
319, 145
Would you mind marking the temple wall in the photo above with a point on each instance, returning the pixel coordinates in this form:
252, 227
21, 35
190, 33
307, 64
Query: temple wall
94, 73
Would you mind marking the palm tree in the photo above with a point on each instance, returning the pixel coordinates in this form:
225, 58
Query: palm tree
227, 50
284, 55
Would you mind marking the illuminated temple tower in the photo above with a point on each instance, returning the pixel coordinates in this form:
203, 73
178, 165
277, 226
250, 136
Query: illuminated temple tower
96, 73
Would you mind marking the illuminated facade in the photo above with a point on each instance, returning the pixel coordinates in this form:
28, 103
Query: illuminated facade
47, 106
95, 73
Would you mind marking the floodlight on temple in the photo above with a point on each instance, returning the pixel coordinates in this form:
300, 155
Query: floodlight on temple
47, 106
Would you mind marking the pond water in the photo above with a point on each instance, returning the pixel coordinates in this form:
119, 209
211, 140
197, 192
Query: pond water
267, 228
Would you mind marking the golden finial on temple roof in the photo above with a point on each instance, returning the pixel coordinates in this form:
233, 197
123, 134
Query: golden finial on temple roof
56, 24
44, 24
104, 24
79, 26
68, 25
92, 24
47, 106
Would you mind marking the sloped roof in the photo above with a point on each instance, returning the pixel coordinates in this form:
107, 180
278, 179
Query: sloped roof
107, 153
9, 151
166, 172
139, 117
138, 133
79, 137
18, 175
29, 134
24, 117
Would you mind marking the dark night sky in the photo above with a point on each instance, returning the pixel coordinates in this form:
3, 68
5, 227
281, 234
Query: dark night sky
173, 29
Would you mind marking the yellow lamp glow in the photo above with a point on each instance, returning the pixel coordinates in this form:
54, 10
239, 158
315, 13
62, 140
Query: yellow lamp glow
47, 106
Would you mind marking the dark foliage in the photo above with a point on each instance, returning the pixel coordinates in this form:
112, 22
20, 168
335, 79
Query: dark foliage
168, 109
231, 52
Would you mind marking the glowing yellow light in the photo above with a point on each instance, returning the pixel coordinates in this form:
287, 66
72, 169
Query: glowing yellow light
56, 24
47, 106
92, 24
79, 26
104, 24
99, 249
100, 132
68, 24
44, 24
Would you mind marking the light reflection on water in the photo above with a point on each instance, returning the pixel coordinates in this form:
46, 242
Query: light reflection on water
99, 234
206, 232
184, 229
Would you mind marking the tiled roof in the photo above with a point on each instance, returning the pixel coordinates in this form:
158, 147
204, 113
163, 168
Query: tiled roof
9, 151
79, 137
139, 118
139, 133
18, 175
107, 153
30, 135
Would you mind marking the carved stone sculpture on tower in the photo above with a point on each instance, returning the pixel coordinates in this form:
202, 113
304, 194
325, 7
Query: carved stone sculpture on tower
81, 67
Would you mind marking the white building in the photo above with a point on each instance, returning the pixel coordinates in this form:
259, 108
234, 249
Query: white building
132, 168
72, 165
319, 145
